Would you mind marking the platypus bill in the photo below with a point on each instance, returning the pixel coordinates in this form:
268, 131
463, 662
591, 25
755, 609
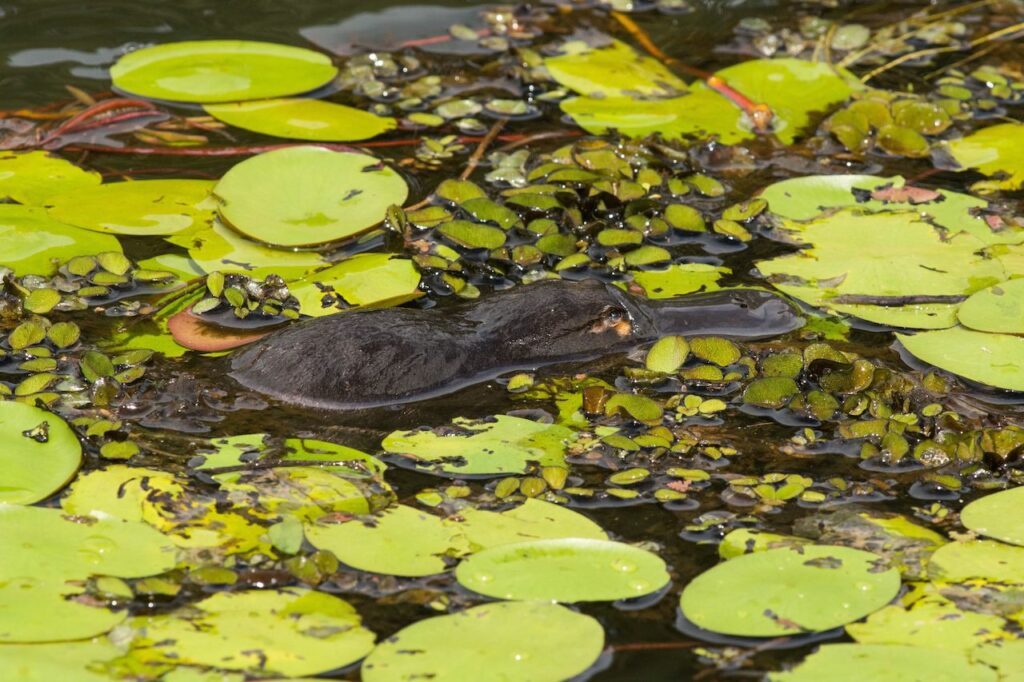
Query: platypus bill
372, 358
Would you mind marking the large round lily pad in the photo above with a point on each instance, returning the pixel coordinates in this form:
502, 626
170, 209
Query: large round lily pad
885, 663
35, 243
998, 515
221, 248
931, 622
502, 641
303, 119
39, 453
301, 196
31, 178
998, 309
532, 520
139, 207
789, 591
400, 541
290, 632
221, 71
564, 570
39, 610
978, 559
993, 359
502, 445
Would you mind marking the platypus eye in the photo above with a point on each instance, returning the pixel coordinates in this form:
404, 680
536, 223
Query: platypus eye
614, 318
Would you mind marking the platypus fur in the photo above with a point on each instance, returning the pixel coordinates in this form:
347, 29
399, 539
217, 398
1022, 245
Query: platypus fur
371, 358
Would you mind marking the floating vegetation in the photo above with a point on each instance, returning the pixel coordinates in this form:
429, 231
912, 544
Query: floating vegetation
727, 498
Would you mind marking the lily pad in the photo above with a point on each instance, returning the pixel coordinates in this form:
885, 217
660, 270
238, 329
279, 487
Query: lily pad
39, 453
502, 445
77, 661
563, 570
35, 243
221, 71
679, 279
789, 591
998, 309
932, 623
220, 248
39, 610
978, 559
139, 207
613, 70
1006, 656
885, 663
993, 359
44, 544
31, 178
793, 89
998, 515
532, 520
993, 151
302, 196
362, 280
508, 640
303, 119
400, 541
290, 632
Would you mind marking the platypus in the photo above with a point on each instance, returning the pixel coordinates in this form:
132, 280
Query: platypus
371, 358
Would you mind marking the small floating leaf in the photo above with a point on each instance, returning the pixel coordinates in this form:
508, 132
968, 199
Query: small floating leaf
301, 196
303, 119
668, 354
565, 570
788, 591
504, 640
221, 71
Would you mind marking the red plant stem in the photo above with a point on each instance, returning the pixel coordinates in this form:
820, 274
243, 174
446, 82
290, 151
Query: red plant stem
760, 115
80, 121
435, 40
260, 149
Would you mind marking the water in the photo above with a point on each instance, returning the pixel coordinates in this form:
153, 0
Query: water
46, 45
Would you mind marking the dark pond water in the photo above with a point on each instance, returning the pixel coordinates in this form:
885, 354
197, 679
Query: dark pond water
47, 45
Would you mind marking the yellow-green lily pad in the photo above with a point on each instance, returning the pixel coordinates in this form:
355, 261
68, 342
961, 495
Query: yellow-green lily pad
31, 178
993, 359
221, 71
137, 207
303, 119
39, 453
998, 309
885, 663
303, 196
78, 661
362, 280
36, 244
997, 515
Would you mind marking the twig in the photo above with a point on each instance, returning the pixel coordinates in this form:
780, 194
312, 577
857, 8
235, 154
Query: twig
966, 60
481, 149
284, 463
894, 301
653, 646
987, 38
760, 114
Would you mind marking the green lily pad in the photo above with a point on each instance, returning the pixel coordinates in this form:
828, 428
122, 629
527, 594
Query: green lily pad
220, 248
613, 70
35, 243
910, 260
301, 196
303, 119
290, 632
993, 359
998, 515
532, 520
362, 280
221, 71
978, 559
998, 309
1006, 656
44, 544
139, 207
76, 661
501, 641
931, 622
400, 541
31, 178
993, 151
884, 663
39, 453
39, 610
679, 279
563, 570
793, 89
502, 445
789, 591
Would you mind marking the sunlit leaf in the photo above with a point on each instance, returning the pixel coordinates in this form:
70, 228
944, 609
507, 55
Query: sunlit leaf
303, 119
